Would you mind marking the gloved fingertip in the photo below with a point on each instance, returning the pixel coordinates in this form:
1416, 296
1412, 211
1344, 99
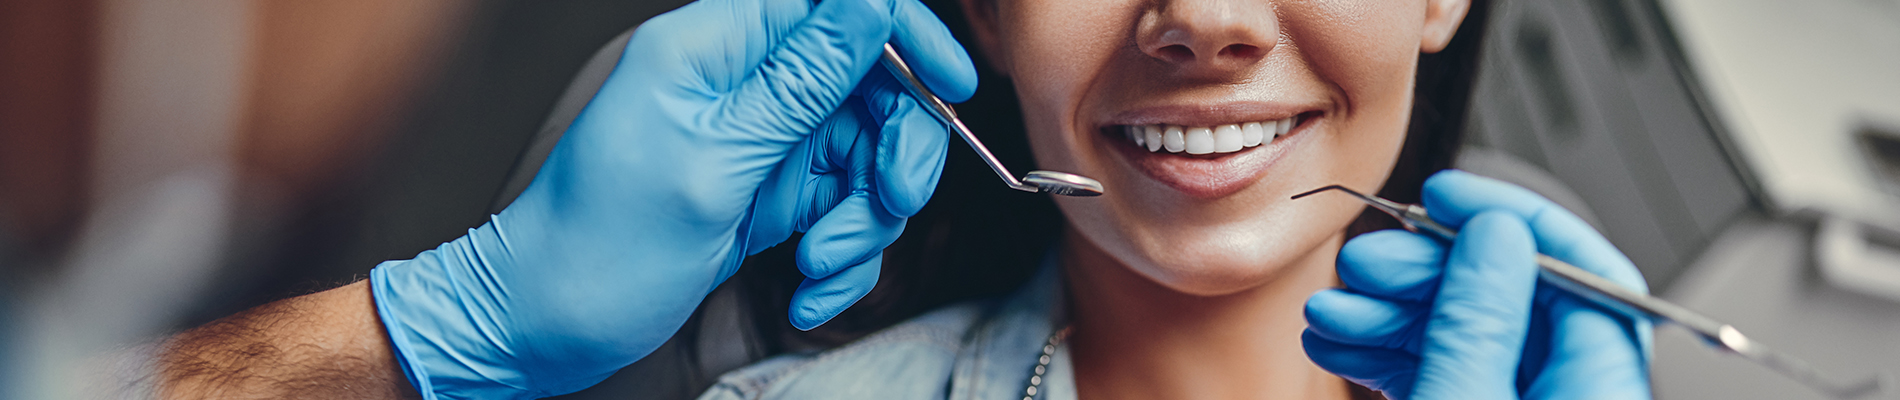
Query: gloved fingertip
806, 319
960, 84
854, 232
1391, 263
821, 261
817, 301
1495, 254
1494, 232
939, 60
1454, 196
912, 149
1453, 177
810, 310
1319, 304
1359, 320
1384, 370
1322, 312
1318, 348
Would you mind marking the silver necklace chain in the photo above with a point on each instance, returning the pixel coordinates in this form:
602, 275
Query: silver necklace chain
1042, 363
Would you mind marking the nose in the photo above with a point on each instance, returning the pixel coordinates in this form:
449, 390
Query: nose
1212, 36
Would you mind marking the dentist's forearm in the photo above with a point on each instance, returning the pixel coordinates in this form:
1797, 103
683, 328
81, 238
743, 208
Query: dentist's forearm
325, 345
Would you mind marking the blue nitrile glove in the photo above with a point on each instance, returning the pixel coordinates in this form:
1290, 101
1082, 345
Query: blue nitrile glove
1420, 321
727, 126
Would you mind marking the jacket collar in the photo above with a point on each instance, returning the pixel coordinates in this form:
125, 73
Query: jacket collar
1000, 354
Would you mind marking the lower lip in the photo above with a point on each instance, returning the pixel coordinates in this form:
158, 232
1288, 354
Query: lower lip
1214, 175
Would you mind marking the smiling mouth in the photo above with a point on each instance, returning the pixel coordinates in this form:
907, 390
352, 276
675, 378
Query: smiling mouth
1215, 140
1209, 161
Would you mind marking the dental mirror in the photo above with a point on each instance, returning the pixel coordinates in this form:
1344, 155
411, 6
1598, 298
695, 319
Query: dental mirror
1061, 183
1064, 183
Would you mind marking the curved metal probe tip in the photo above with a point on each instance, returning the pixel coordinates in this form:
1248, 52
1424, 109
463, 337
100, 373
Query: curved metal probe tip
1063, 183
1413, 217
1326, 188
1389, 207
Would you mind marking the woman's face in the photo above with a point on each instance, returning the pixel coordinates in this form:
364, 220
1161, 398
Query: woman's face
1206, 209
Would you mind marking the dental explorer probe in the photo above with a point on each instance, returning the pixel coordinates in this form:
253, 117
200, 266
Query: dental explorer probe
1611, 295
1061, 183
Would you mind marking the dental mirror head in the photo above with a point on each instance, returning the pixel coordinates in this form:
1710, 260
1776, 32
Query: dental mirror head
1063, 183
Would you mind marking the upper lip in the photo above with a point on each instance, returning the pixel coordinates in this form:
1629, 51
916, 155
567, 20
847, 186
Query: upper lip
1207, 114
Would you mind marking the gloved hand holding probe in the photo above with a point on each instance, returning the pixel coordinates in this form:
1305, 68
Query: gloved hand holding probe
727, 126
1422, 320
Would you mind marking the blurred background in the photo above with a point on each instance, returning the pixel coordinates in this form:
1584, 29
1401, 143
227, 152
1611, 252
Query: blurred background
164, 163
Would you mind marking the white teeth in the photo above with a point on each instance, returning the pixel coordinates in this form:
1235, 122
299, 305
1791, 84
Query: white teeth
1251, 134
1152, 135
1227, 138
1171, 138
1208, 139
1200, 140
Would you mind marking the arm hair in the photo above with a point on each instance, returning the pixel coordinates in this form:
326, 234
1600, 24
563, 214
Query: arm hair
325, 345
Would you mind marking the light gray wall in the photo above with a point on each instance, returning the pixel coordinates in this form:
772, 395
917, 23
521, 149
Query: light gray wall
1594, 92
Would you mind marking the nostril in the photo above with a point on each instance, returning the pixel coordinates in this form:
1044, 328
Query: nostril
1242, 51
1175, 53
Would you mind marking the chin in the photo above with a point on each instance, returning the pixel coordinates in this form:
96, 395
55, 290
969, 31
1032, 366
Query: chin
1215, 261
1209, 275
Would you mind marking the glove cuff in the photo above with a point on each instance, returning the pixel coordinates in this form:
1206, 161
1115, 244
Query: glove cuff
399, 338
427, 306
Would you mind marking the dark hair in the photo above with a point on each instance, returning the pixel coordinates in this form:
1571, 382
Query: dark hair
979, 239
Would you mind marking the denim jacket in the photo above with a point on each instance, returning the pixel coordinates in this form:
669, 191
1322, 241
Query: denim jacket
969, 351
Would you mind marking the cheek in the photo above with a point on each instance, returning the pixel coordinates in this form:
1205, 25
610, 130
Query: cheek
1054, 47
1056, 51
1369, 52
